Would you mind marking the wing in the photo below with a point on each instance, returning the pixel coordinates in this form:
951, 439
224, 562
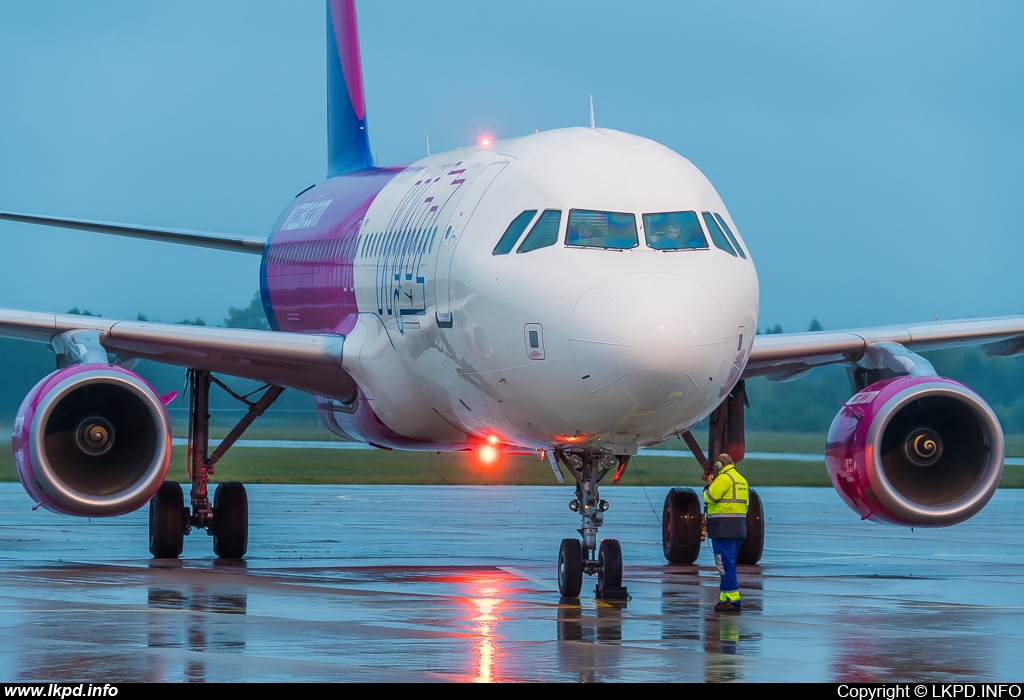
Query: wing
310, 363
202, 239
789, 354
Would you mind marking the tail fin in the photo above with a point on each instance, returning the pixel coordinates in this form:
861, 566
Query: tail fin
348, 143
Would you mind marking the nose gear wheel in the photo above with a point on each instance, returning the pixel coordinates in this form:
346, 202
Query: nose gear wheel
609, 562
570, 568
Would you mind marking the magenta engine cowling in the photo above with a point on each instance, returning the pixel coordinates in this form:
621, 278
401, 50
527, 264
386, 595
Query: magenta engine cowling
920, 451
92, 440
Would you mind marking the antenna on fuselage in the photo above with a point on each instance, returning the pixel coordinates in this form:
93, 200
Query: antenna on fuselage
592, 125
427, 133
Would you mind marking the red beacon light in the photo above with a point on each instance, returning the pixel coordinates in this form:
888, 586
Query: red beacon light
485, 141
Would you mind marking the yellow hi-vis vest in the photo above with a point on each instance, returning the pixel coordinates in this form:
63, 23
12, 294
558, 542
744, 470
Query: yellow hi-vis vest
728, 495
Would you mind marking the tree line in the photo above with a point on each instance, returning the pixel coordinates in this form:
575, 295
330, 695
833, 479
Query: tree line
251, 316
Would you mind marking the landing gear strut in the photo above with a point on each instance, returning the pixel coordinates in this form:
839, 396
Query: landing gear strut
587, 556
227, 518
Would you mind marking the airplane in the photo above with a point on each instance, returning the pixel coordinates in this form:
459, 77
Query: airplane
560, 293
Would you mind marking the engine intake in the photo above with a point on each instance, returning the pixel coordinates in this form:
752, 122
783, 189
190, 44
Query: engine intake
922, 451
92, 440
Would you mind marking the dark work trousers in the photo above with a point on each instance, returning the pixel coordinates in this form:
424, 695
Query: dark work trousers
725, 559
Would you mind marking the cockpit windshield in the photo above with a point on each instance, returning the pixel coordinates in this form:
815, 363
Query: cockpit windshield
513, 232
729, 233
678, 230
544, 233
601, 229
717, 236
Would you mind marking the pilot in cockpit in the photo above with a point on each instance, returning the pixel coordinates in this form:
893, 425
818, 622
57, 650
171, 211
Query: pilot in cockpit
671, 236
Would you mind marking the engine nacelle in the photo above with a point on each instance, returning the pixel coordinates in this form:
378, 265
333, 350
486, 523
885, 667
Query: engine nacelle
919, 451
92, 440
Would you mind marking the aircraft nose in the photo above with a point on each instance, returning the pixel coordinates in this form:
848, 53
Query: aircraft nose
648, 343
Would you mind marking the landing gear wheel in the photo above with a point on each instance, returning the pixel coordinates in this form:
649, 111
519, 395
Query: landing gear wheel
681, 521
570, 568
753, 547
167, 517
609, 564
230, 520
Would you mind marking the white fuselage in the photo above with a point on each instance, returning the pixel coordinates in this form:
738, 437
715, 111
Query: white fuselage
562, 345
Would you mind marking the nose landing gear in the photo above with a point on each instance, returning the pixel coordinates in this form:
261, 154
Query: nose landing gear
587, 556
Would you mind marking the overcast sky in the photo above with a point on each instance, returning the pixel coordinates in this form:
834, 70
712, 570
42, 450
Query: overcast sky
870, 153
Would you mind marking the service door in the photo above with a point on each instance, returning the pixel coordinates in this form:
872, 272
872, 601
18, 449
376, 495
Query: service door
454, 230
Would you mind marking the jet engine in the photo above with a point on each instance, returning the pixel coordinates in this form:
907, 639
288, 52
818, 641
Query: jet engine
92, 440
915, 450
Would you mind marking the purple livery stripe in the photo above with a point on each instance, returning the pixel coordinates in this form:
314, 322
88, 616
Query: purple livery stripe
307, 271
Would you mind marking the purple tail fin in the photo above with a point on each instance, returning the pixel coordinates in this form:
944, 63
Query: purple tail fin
348, 143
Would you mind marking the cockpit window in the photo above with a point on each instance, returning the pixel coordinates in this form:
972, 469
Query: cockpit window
717, 236
601, 229
508, 239
677, 230
729, 233
543, 233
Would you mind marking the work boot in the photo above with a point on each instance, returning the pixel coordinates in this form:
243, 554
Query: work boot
727, 606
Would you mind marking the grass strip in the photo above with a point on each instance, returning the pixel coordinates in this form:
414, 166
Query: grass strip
313, 466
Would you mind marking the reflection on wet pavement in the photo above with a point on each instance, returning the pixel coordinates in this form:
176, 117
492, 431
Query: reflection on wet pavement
593, 636
382, 584
196, 630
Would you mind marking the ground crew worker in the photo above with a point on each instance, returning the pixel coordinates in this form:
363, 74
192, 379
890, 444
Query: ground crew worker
726, 498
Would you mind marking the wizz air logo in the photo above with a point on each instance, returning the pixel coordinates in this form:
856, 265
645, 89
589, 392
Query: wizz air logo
306, 215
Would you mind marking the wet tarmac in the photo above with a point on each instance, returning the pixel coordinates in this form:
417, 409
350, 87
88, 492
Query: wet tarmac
457, 583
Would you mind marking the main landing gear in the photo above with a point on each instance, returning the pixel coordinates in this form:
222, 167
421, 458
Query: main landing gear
683, 514
227, 518
681, 523
586, 556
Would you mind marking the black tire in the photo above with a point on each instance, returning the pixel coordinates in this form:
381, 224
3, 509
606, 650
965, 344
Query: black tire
609, 564
570, 568
681, 521
167, 521
230, 520
753, 547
